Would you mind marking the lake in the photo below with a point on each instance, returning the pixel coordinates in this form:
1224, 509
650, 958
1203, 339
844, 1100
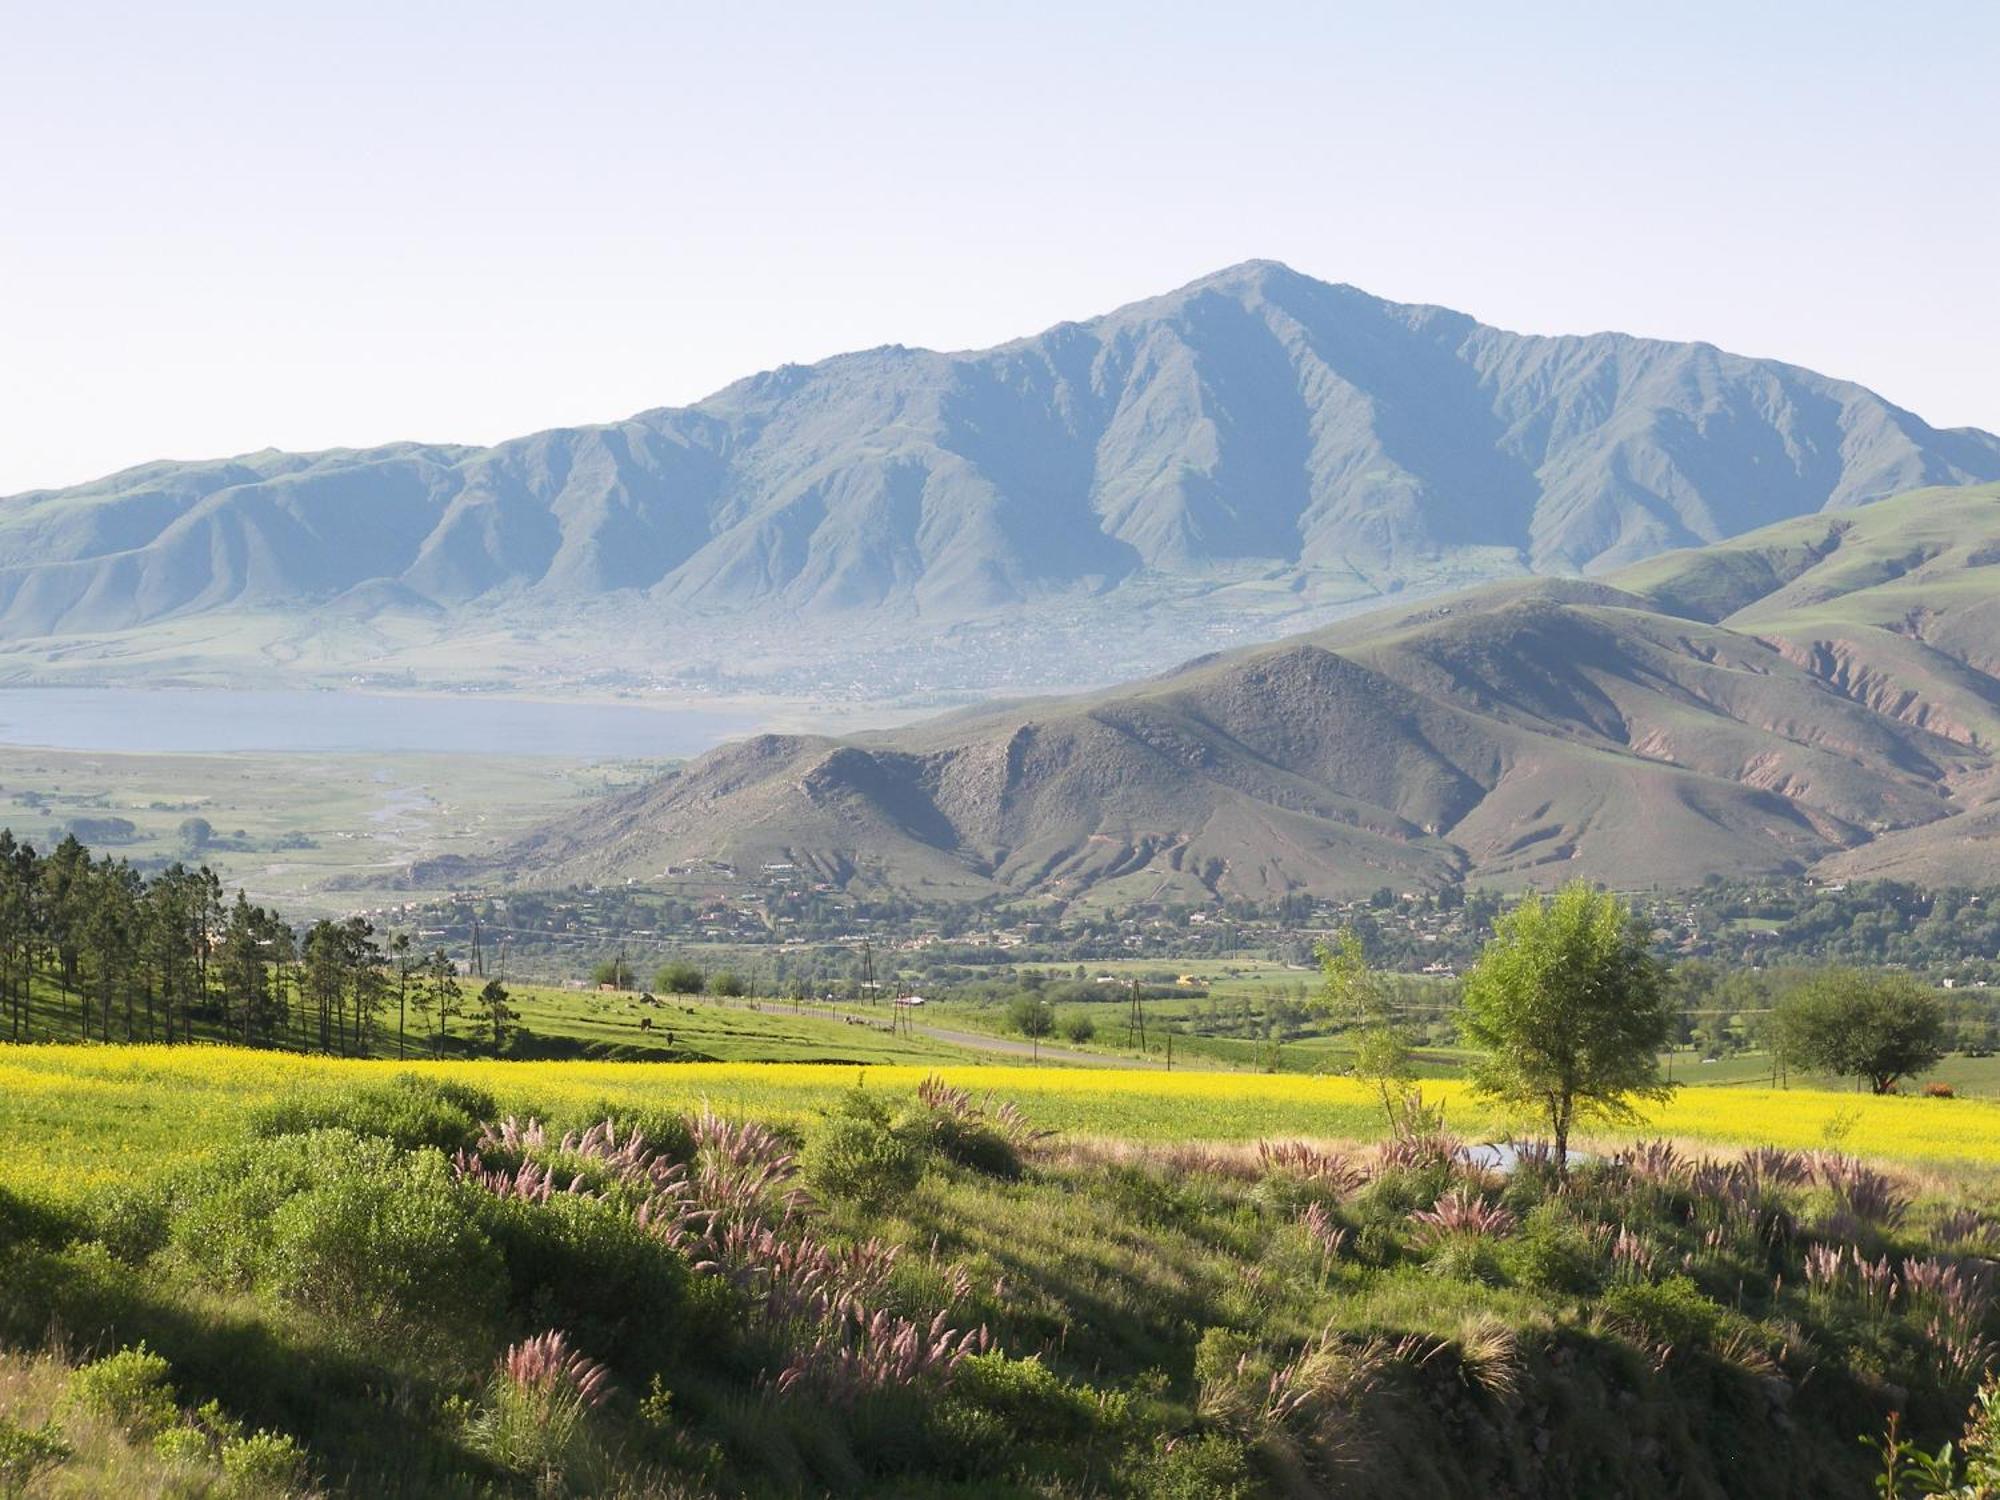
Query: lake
204, 720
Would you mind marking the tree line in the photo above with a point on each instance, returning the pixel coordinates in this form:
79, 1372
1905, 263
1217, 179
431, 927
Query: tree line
92, 949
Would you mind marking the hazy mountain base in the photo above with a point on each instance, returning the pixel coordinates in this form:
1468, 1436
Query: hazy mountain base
1778, 704
794, 669
1257, 425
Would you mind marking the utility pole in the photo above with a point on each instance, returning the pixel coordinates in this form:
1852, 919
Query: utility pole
478, 954
1135, 1021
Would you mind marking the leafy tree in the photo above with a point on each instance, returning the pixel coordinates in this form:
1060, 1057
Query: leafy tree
443, 993
495, 1012
249, 949
679, 979
1879, 1027
196, 834
614, 972
1078, 1027
1570, 1010
727, 984
399, 953
1034, 1018
1354, 994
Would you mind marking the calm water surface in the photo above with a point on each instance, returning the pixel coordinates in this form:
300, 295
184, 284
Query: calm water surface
169, 720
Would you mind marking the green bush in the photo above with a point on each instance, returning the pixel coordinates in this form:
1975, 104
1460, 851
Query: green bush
968, 1141
1672, 1312
410, 1110
1551, 1254
131, 1388
131, 1222
1394, 1195
1465, 1257
264, 1463
1029, 1398
185, 1447
578, 1263
1209, 1467
346, 1226
546, 1435
27, 1453
857, 1156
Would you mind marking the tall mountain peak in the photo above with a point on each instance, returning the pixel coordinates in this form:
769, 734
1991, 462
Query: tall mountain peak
1255, 444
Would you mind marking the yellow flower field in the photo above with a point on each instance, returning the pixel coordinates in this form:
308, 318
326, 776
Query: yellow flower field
74, 1118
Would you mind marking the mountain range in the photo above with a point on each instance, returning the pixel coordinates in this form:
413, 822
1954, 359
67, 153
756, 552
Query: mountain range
1255, 445
1821, 695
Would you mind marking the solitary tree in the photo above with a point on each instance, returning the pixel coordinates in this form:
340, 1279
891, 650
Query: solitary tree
1359, 999
727, 984
679, 979
1034, 1018
444, 994
1881, 1027
399, 950
1569, 1010
495, 1011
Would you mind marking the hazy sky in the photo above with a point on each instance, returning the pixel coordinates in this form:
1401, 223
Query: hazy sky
224, 226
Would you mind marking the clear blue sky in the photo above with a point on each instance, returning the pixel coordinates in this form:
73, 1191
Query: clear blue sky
230, 225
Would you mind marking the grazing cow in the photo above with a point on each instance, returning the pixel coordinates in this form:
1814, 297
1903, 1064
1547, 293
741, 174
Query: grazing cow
645, 1023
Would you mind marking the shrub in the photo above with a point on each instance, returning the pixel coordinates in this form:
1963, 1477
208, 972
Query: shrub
410, 1110
584, 1263
969, 1141
264, 1463
345, 1226
27, 1453
131, 1222
985, 1136
131, 1389
1459, 1213
537, 1419
857, 1156
1078, 1027
1209, 1467
1464, 1257
1552, 1255
1398, 1192
184, 1447
1031, 1400
664, 1131
1672, 1312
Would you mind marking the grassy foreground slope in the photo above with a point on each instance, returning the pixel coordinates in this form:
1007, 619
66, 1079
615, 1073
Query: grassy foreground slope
357, 1279
82, 1118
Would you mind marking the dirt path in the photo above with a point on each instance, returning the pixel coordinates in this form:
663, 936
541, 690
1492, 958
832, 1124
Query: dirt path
984, 1043
979, 1041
